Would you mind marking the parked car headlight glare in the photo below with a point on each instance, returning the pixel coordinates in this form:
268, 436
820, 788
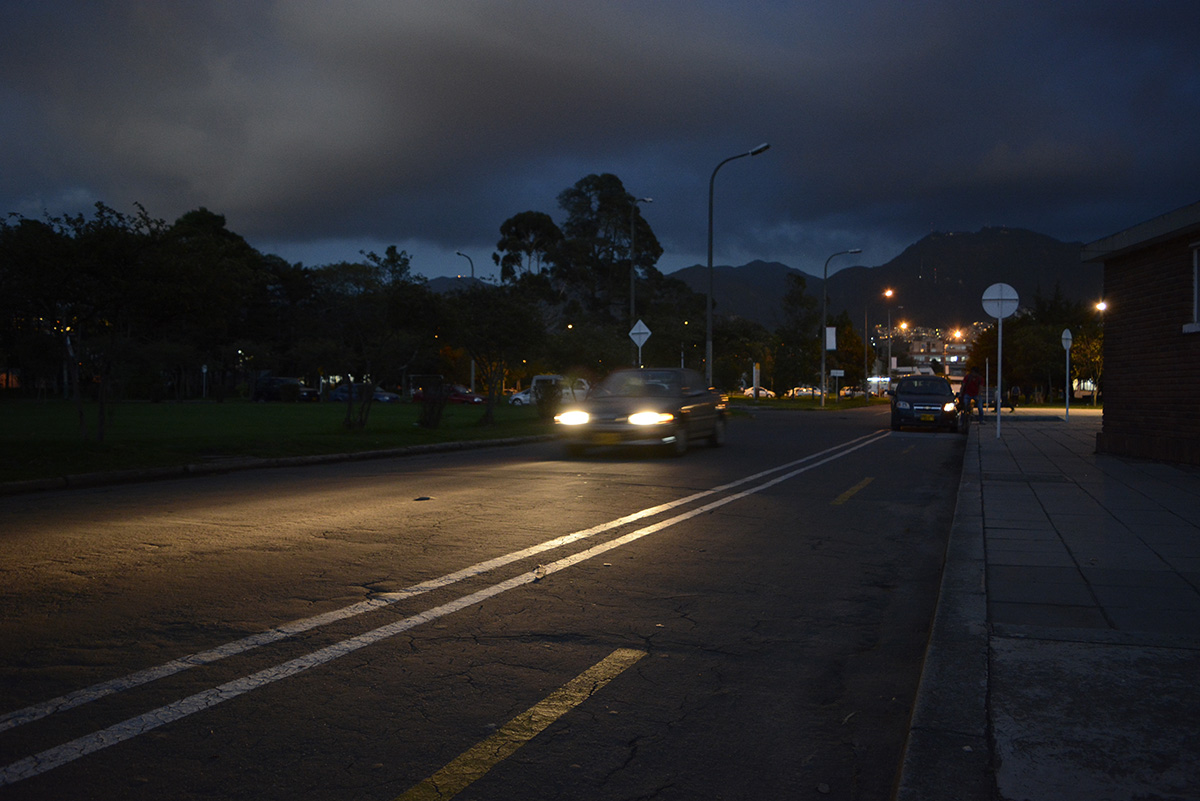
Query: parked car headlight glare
575, 417
949, 406
650, 418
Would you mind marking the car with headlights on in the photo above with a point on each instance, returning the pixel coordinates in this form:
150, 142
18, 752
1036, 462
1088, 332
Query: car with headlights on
668, 408
925, 401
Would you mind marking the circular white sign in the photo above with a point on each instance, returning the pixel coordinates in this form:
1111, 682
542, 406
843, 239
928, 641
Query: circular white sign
1000, 300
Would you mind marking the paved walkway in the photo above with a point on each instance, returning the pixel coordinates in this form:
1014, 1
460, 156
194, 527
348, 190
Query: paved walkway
1065, 657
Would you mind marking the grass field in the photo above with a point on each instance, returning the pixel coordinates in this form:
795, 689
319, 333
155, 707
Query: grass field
41, 439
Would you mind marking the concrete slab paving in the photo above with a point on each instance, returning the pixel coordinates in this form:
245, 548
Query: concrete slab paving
1078, 576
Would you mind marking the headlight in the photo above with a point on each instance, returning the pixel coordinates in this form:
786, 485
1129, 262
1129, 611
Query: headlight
902, 404
949, 406
572, 418
650, 418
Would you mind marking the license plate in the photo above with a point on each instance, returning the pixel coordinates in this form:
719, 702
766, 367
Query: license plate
927, 418
607, 439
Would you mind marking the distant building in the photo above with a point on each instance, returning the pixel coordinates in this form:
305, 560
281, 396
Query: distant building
1151, 379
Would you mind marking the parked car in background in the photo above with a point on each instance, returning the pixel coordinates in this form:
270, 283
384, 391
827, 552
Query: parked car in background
522, 398
761, 392
455, 393
925, 401
342, 393
802, 392
570, 389
279, 388
664, 407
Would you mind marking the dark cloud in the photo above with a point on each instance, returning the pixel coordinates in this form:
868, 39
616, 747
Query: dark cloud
357, 124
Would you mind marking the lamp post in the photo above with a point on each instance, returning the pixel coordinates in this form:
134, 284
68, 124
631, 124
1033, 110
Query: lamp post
824, 316
633, 263
708, 326
887, 293
468, 258
1100, 307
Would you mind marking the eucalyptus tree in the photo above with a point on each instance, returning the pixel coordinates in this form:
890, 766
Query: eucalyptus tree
528, 243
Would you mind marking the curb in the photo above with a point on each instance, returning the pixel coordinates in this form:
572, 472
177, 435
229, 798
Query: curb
947, 756
109, 478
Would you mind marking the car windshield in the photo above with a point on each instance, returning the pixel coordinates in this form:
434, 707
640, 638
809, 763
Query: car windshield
639, 384
924, 386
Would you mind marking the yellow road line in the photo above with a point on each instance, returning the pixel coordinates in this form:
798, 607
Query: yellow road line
845, 496
479, 759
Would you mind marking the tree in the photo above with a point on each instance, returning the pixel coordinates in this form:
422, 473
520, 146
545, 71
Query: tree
599, 215
379, 316
498, 327
527, 241
848, 355
798, 357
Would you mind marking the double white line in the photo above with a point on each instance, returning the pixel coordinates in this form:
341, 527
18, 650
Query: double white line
60, 755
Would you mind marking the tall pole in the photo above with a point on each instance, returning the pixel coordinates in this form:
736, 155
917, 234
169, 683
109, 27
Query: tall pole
866, 368
469, 261
824, 315
468, 258
708, 325
633, 263
1100, 307
887, 293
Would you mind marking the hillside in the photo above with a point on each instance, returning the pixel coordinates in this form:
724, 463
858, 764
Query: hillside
938, 281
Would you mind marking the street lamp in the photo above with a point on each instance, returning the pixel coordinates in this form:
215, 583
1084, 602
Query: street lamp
887, 293
824, 317
468, 258
1101, 307
632, 263
708, 347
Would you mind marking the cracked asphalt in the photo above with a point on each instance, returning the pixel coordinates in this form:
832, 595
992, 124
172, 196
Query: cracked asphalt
350, 630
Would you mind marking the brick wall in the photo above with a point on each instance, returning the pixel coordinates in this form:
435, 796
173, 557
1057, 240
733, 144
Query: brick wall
1151, 383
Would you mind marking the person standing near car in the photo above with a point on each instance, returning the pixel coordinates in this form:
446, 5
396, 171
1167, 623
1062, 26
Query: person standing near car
972, 385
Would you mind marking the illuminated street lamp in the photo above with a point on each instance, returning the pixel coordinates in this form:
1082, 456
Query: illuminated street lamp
708, 348
824, 317
887, 293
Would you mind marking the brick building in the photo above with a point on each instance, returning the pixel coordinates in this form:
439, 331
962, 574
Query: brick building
1151, 379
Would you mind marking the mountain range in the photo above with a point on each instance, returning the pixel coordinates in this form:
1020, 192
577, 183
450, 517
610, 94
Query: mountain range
938, 282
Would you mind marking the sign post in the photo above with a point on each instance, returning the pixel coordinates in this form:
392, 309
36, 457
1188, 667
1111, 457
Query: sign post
1066, 340
1000, 301
639, 334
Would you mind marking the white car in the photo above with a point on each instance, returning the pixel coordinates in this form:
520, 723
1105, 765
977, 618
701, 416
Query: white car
763, 392
522, 398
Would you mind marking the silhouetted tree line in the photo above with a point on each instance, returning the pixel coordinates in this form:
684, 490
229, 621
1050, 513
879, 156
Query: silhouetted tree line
113, 306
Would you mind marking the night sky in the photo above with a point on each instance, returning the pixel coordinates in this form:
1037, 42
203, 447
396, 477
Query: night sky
320, 129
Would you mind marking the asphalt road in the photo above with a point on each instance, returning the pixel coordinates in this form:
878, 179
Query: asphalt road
744, 622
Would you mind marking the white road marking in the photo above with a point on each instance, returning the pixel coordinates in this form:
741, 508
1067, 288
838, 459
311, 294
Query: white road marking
125, 730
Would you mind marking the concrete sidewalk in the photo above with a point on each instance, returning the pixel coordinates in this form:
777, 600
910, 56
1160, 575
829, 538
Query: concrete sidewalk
1065, 656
